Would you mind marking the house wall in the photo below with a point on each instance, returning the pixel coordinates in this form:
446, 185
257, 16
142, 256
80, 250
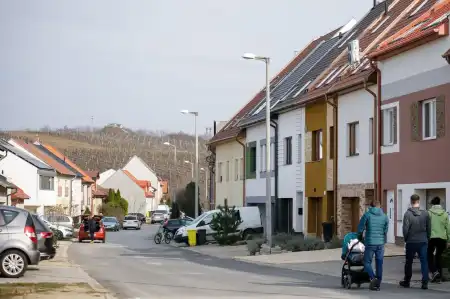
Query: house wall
105, 175
77, 196
25, 175
355, 173
413, 163
140, 171
129, 190
291, 183
231, 189
62, 184
255, 189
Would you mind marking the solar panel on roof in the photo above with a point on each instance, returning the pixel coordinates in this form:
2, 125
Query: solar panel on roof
23, 155
336, 74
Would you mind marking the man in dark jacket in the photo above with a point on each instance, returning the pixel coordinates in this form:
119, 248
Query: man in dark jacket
375, 223
92, 224
416, 233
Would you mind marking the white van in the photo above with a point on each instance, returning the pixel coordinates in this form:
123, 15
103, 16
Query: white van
251, 224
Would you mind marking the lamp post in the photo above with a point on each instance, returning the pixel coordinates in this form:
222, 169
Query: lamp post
192, 167
195, 114
206, 182
268, 229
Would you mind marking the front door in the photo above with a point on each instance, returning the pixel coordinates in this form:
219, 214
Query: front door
390, 214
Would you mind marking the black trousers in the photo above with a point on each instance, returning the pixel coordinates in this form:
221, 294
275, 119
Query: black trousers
92, 235
435, 260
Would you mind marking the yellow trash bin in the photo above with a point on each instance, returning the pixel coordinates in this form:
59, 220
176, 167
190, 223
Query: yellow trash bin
192, 237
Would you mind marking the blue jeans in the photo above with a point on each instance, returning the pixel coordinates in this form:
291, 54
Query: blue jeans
422, 250
378, 251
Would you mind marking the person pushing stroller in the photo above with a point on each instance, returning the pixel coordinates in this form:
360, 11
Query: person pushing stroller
375, 224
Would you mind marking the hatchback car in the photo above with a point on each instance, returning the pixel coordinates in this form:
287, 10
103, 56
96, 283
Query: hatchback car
111, 223
45, 239
99, 234
140, 216
159, 216
18, 242
173, 225
131, 221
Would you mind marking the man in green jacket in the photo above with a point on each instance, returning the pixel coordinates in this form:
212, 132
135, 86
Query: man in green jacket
440, 235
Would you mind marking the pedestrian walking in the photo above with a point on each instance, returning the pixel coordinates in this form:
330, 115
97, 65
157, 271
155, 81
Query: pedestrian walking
92, 225
440, 235
416, 233
375, 225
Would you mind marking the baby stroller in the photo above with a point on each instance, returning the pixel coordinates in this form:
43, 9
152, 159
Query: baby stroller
353, 257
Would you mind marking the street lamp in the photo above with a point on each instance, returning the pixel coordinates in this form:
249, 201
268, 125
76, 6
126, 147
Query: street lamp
268, 230
195, 114
192, 167
206, 182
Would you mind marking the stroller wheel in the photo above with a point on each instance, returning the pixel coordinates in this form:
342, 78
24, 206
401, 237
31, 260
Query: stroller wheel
346, 282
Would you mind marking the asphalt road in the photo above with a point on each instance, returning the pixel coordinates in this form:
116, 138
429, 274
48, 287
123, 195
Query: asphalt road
131, 265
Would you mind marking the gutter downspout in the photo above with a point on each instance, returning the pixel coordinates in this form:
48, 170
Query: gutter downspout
243, 167
374, 130
278, 217
335, 161
379, 125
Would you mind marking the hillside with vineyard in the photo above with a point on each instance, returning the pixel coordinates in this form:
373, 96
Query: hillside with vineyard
113, 145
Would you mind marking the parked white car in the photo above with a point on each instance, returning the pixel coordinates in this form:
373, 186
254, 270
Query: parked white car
62, 232
59, 220
131, 221
251, 224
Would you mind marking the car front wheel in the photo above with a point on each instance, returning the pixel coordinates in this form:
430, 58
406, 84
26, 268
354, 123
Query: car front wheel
13, 264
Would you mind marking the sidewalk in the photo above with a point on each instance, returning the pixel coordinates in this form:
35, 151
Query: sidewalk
60, 272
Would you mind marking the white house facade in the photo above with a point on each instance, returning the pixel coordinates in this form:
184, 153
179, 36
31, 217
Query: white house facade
356, 147
230, 173
291, 170
105, 175
129, 190
34, 177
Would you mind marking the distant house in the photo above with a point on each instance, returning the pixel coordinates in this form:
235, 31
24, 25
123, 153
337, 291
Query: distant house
99, 194
129, 189
10, 194
142, 171
35, 178
105, 175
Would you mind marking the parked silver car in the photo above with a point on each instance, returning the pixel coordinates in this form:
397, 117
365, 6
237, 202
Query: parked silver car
18, 242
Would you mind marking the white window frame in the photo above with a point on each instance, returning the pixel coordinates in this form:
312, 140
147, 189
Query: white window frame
356, 128
236, 169
400, 205
431, 118
388, 126
299, 148
228, 171
288, 151
219, 177
242, 168
262, 157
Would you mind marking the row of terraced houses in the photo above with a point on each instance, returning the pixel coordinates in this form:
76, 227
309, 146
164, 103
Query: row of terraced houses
359, 114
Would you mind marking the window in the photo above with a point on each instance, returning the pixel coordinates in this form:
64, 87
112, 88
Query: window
331, 142
262, 158
59, 188
389, 122
250, 161
299, 148
242, 168
371, 143
288, 150
352, 140
66, 189
219, 177
228, 171
236, 169
317, 151
46, 182
8, 216
429, 119
272, 154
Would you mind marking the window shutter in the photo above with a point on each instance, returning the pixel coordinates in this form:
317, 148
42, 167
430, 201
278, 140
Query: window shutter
394, 124
440, 116
415, 124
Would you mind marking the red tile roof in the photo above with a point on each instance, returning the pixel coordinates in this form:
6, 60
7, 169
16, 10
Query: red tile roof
54, 151
94, 174
145, 185
231, 130
20, 195
31, 148
100, 192
433, 23
398, 16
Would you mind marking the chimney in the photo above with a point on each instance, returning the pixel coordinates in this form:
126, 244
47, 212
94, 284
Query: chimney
386, 8
374, 3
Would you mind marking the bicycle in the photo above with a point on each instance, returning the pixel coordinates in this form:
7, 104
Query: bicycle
163, 235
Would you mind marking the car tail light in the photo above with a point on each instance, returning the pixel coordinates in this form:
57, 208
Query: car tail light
46, 235
30, 233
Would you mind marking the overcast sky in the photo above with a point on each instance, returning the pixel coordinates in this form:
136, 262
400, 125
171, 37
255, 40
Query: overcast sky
140, 62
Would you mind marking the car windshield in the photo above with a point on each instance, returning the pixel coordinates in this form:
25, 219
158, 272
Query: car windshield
109, 219
198, 219
160, 212
130, 217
